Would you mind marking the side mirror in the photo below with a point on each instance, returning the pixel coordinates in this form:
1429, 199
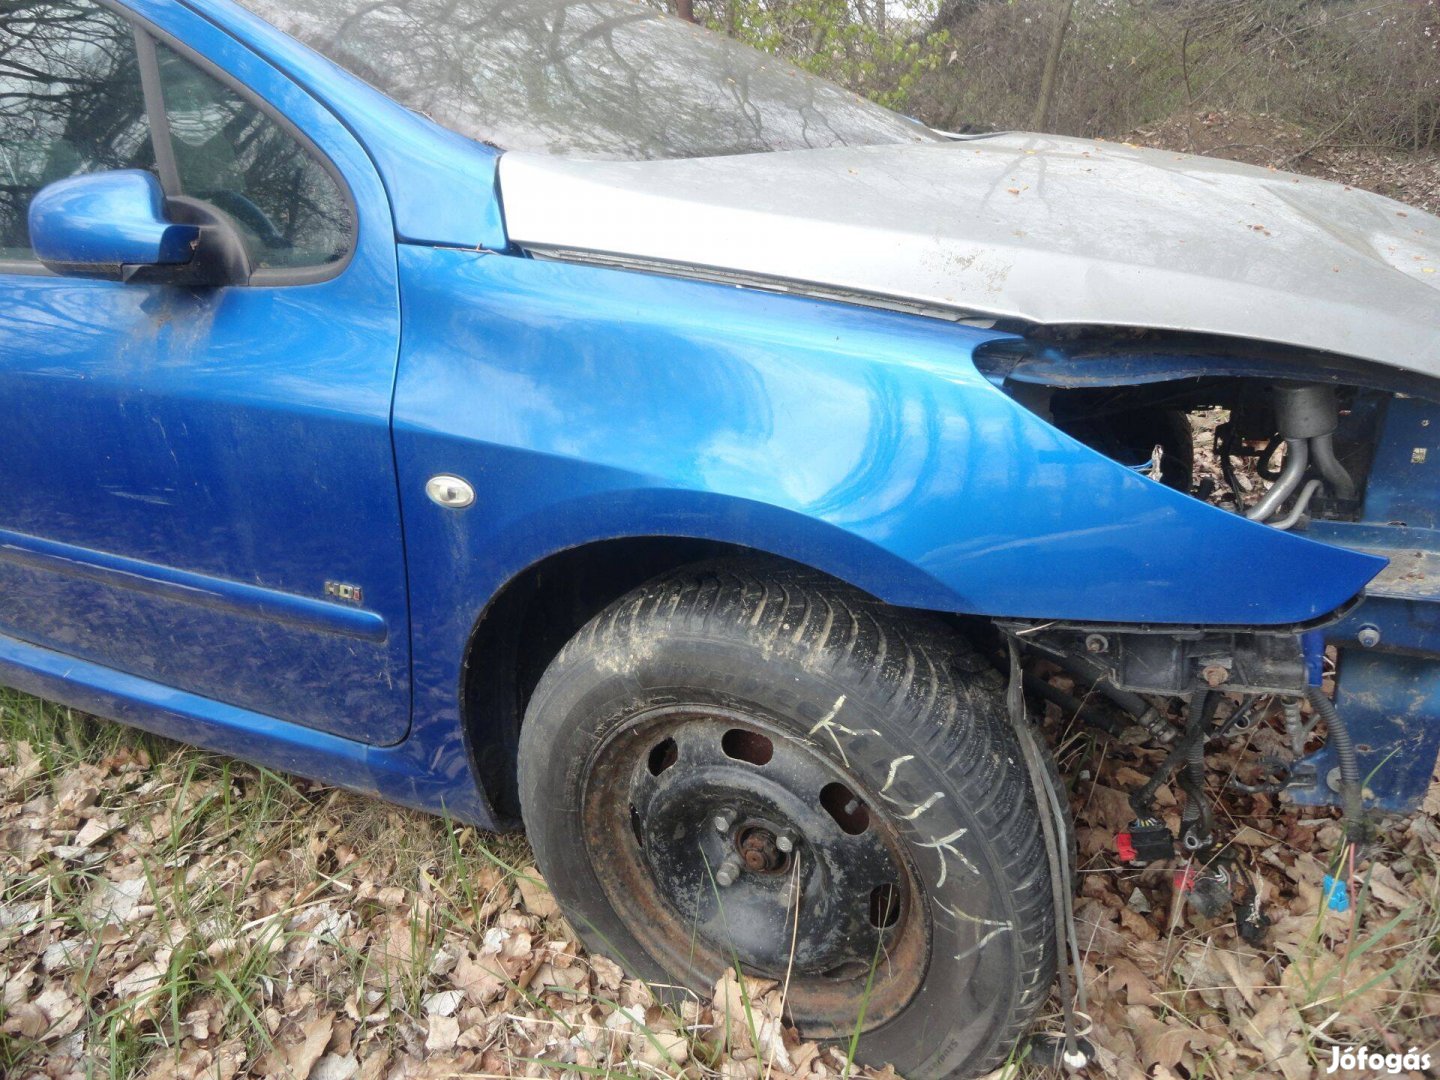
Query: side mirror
113, 225
107, 225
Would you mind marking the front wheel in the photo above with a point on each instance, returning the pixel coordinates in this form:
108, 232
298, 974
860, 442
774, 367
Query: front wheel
750, 764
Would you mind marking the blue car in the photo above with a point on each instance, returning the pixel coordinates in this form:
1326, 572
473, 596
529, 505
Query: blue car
550, 412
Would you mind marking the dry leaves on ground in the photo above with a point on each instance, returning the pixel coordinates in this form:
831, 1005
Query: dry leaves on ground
1176, 995
193, 916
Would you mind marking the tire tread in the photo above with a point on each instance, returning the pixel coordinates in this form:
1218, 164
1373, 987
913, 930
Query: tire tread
927, 673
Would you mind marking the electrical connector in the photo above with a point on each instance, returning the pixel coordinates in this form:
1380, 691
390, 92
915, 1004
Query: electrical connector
1145, 840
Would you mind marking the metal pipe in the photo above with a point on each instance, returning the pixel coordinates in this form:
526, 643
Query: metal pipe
1038, 687
1301, 502
1322, 453
1297, 458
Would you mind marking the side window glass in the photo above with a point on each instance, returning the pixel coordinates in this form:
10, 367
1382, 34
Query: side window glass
70, 102
289, 208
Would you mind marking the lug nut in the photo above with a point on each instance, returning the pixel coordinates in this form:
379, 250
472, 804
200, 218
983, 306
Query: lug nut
728, 872
724, 820
1369, 636
785, 842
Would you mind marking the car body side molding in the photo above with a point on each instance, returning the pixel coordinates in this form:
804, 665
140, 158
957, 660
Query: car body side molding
203, 590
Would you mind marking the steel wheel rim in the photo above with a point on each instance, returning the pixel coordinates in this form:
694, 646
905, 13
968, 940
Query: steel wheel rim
677, 794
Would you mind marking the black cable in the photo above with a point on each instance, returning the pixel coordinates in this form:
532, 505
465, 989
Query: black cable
1202, 710
1262, 463
1240, 718
1038, 687
1052, 826
1351, 793
1227, 466
1196, 821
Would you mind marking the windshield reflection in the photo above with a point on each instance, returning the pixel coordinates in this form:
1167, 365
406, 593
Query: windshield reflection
584, 78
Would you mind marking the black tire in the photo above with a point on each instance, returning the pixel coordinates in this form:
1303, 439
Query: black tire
921, 742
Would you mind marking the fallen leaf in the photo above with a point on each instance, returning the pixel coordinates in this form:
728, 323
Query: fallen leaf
335, 1067
1138, 987
442, 1034
442, 1003
299, 1053
536, 894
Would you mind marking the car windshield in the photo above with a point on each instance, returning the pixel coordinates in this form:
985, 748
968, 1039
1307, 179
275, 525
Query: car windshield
584, 78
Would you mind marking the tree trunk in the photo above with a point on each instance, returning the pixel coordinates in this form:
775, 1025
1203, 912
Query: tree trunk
685, 9
1046, 98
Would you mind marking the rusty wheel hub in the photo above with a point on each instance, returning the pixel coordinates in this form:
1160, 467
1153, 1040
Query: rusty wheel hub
731, 840
758, 850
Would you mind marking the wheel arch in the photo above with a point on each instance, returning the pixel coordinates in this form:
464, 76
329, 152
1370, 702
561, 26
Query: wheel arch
530, 618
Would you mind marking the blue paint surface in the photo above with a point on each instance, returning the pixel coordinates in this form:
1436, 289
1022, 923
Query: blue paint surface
230, 443
431, 774
187, 470
113, 219
592, 403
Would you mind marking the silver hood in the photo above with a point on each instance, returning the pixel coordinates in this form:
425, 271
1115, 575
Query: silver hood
1042, 228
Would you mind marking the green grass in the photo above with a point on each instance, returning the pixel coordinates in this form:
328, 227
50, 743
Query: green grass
229, 855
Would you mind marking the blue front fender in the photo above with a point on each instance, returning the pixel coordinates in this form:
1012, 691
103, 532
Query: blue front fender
587, 403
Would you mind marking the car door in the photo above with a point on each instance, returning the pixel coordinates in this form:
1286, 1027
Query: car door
197, 485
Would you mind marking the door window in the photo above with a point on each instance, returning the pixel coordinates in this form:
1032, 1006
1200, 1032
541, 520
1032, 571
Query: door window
70, 102
290, 209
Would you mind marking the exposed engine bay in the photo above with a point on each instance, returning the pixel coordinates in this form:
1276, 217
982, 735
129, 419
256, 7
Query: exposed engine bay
1340, 453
